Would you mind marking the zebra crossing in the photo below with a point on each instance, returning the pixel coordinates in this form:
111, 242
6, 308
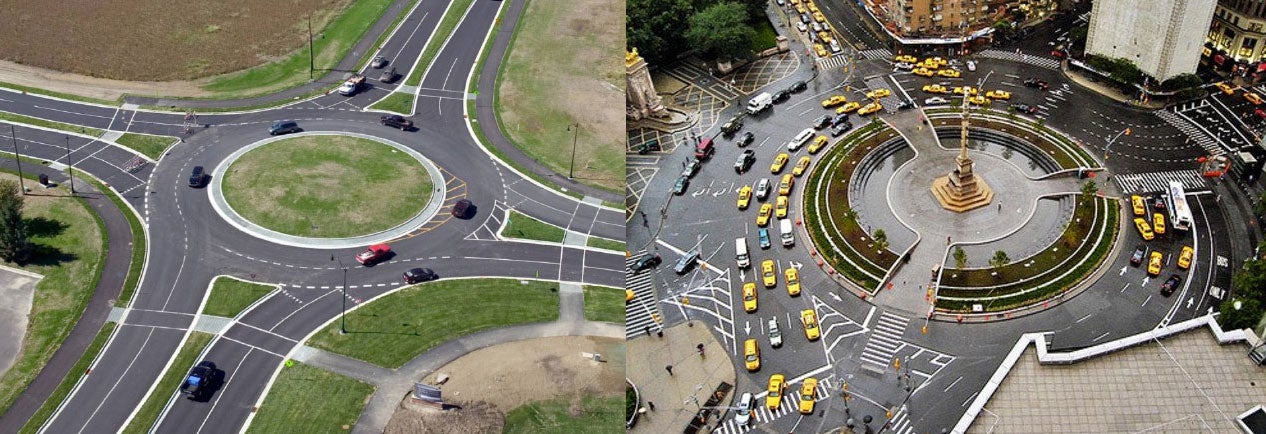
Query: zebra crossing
1159, 181
889, 102
877, 54
641, 312
1195, 133
837, 61
1038, 61
886, 340
762, 414
900, 422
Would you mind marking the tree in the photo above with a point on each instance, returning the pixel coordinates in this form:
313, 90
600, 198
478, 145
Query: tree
1245, 317
1182, 81
657, 28
960, 258
14, 244
998, 260
881, 240
1250, 281
721, 31
1089, 189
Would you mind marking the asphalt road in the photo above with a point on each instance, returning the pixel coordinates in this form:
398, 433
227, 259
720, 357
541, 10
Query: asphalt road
189, 243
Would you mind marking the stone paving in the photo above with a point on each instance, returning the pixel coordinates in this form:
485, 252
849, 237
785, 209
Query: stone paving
692, 376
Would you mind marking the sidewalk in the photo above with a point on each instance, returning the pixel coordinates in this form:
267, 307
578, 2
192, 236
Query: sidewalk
692, 376
1107, 91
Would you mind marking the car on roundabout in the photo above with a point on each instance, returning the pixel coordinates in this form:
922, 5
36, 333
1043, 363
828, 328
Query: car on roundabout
1136, 202
1158, 223
904, 66
749, 297
819, 142
793, 281
833, 101
762, 189
809, 319
849, 107
906, 58
958, 90
374, 254
692, 168
936, 100
1025, 108
1154, 263
780, 207
744, 197
935, 88
878, 93
808, 390
1140, 252
840, 129
978, 100
998, 94
775, 333
820, 50
762, 216
777, 385
396, 121
782, 96
1185, 257
780, 160
685, 262
679, 187
745, 139
784, 186
418, 275
745, 161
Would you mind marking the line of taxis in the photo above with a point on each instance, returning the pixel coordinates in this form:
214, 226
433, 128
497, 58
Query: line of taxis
1149, 230
936, 67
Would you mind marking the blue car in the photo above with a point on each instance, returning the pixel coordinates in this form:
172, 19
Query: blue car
763, 234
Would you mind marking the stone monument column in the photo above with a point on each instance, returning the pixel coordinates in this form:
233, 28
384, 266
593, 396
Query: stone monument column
640, 97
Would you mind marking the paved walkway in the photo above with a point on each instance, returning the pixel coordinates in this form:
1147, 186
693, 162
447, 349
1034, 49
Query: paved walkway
17, 287
1108, 91
692, 376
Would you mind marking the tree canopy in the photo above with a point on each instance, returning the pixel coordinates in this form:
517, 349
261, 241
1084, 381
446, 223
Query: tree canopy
721, 31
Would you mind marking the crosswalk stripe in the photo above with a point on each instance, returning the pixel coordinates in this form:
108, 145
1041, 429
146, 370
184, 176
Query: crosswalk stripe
643, 310
885, 340
1159, 181
1038, 61
1208, 143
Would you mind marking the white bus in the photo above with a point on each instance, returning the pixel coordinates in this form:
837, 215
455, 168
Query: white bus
1179, 213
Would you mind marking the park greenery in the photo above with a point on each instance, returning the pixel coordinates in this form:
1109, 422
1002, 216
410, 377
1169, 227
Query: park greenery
661, 29
1249, 291
721, 31
15, 245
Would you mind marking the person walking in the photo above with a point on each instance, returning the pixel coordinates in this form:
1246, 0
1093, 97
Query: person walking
669, 368
651, 404
648, 331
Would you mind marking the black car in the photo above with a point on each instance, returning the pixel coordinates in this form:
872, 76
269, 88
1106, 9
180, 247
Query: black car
1136, 259
283, 127
1025, 108
732, 126
200, 382
746, 139
685, 262
782, 95
692, 168
798, 86
839, 119
379, 62
1040, 84
648, 146
1170, 285
840, 129
198, 178
745, 161
461, 208
679, 188
418, 275
822, 122
396, 121
646, 262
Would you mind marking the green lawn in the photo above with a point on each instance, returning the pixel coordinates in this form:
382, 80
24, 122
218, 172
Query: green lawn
70, 249
603, 243
327, 186
151, 146
766, 37
310, 400
594, 415
169, 383
330, 46
522, 226
398, 102
456, 10
604, 303
21, 119
501, 156
63, 389
229, 296
396, 328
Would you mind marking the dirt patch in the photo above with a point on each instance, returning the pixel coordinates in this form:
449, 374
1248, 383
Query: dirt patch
487, 383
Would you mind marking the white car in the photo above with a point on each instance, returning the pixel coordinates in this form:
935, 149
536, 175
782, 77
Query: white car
762, 189
775, 335
936, 100
743, 415
801, 27
905, 66
971, 65
835, 46
800, 139
816, 27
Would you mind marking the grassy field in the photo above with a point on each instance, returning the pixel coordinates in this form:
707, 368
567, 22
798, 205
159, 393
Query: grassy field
69, 251
229, 296
479, 135
522, 226
545, 89
603, 243
398, 102
456, 10
151, 146
167, 385
327, 186
604, 304
590, 415
17, 118
291, 407
63, 389
396, 328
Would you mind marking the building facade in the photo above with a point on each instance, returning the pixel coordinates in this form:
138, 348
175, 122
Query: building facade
1162, 39
1237, 35
953, 18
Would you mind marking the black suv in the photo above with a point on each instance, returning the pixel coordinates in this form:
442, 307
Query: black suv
1025, 108
782, 95
745, 161
198, 178
746, 139
798, 86
1040, 84
418, 275
396, 121
1167, 288
842, 128
461, 208
284, 127
201, 381
822, 122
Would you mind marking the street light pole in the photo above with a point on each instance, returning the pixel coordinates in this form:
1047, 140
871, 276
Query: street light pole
70, 165
1124, 132
311, 59
17, 156
342, 326
571, 171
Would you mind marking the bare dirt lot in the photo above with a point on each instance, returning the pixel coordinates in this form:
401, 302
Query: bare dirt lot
152, 40
490, 382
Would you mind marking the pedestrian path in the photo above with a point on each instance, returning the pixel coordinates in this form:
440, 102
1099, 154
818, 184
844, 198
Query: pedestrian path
690, 73
1038, 61
1159, 181
901, 423
641, 312
833, 62
886, 340
1192, 131
762, 414
877, 54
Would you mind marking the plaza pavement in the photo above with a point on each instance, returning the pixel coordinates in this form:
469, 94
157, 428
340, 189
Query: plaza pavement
691, 376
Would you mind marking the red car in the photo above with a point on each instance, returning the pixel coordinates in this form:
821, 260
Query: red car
373, 254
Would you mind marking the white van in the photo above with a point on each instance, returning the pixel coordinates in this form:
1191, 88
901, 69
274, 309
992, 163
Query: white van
800, 140
740, 253
784, 226
759, 103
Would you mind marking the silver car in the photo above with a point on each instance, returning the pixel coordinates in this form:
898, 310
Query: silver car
775, 335
743, 415
762, 189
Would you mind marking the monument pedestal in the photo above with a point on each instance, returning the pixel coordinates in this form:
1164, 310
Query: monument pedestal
962, 190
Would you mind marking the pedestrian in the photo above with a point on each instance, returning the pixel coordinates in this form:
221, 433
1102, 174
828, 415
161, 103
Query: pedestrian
651, 404
659, 333
669, 368
648, 330
999, 208
947, 239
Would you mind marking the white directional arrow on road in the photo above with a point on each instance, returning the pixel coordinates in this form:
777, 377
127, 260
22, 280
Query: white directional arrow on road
1123, 268
718, 193
747, 327
699, 192
794, 264
742, 275
836, 297
1189, 301
1146, 279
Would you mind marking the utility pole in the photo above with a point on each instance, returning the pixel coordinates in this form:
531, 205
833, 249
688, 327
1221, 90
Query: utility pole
342, 326
311, 59
71, 166
17, 157
571, 172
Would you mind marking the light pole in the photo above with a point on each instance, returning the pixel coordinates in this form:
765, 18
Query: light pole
571, 171
17, 156
311, 59
71, 166
342, 326
1124, 132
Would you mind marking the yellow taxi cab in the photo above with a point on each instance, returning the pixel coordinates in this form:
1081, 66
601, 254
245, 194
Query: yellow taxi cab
1137, 202
935, 88
949, 73
629, 295
833, 101
937, 60
958, 90
745, 197
1184, 258
749, 297
1158, 223
807, 392
923, 72
1154, 263
848, 107
784, 186
801, 165
1253, 98
870, 108
818, 48
777, 385
825, 37
795, 2
780, 208
817, 16
779, 161
812, 7
801, 9
929, 64
978, 100
998, 94
762, 217
817, 144
793, 281
768, 276
810, 321
1226, 88
878, 93
1144, 230
751, 355
905, 58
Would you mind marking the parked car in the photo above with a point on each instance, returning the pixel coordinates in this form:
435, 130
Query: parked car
781, 96
418, 275
283, 127
374, 254
396, 121
745, 161
692, 168
798, 86
732, 126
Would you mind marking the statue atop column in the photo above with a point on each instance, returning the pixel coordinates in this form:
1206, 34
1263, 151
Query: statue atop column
641, 100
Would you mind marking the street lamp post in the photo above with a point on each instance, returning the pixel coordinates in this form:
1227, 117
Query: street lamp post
342, 326
71, 166
17, 156
571, 171
311, 58
1124, 132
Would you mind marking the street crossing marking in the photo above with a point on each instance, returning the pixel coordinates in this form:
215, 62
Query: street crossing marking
641, 312
761, 414
886, 339
1038, 61
1208, 143
1159, 181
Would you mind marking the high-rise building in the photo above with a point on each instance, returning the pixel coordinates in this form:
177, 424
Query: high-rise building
1162, 37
